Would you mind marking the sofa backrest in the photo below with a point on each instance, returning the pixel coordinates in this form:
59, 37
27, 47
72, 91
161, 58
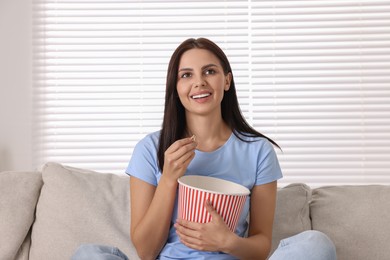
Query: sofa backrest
19, 192
292, 213
356, 218
77, 207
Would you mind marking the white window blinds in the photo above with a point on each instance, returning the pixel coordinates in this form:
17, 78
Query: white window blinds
312, 75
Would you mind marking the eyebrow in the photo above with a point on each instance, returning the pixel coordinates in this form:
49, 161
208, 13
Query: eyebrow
205, 66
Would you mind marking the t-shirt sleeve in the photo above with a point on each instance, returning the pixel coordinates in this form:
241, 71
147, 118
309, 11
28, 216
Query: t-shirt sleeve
143, 163
268, 168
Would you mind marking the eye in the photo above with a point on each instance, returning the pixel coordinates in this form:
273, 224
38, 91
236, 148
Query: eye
209, 72
185, 75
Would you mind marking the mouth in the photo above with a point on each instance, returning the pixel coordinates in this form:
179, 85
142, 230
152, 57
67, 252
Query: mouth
203, 95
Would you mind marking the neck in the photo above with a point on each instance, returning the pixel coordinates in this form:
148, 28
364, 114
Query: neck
211, 133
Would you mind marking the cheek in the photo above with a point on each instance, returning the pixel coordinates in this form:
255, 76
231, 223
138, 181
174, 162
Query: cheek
182, 91
220, 91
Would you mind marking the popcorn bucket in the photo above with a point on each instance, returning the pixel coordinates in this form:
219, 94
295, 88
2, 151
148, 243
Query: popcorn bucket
227, 198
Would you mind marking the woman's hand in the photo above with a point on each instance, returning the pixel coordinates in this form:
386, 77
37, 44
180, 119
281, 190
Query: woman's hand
177, 158
211, 236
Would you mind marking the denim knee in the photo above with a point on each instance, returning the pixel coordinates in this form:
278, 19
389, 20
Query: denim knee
98, 252
308, 245
83, 252
323, 244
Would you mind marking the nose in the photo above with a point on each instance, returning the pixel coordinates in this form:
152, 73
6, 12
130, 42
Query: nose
199, 82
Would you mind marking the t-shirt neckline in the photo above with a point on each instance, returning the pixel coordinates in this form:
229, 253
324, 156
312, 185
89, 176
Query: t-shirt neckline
228, 141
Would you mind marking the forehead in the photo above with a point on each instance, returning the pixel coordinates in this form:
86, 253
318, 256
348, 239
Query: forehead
197, 58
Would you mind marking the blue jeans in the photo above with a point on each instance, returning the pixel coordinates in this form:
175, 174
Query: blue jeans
98, 252
308, 245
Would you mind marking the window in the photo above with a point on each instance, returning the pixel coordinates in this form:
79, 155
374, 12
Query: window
312, 75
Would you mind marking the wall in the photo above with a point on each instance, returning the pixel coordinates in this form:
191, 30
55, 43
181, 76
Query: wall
15, 85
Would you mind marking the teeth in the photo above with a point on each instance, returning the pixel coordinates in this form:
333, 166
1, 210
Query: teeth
201, 96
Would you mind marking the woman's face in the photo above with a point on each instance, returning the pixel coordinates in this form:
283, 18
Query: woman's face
201, 82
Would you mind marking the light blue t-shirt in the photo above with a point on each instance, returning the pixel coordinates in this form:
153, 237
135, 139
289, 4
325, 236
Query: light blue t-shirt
246, 163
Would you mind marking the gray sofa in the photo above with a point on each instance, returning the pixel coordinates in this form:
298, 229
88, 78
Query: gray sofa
46, 215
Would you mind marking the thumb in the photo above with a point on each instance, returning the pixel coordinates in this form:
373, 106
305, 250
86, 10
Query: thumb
216, 218
209, 207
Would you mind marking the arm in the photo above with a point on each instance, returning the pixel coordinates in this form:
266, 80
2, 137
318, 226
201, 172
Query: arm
262, 210
215, 236
150, 203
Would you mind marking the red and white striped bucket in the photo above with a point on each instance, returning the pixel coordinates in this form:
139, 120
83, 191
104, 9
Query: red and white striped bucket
227, 198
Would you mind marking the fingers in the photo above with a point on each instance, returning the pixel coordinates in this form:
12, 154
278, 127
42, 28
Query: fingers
210, 208
189, 225
178, 156
188, 235
186, 225
188, 231
185, 142
180, 152
200, 236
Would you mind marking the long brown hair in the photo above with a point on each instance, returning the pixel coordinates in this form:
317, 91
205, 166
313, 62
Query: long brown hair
174, 123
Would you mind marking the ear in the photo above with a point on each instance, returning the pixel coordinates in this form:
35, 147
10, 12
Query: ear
228, 80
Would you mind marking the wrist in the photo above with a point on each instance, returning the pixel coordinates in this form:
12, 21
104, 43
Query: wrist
230, 243
165, 180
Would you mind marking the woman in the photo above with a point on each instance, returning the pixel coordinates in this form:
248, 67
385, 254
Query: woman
201, 102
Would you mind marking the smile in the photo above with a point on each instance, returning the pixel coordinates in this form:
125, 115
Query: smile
201, 95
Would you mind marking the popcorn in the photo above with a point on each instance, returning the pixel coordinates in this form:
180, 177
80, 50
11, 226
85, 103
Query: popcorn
193, 138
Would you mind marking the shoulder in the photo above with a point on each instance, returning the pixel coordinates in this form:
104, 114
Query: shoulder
148, 145
150, 140
143, 163
263, 152
254, 141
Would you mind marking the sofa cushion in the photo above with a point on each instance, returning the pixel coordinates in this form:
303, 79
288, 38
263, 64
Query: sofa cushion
356, 218
291, 213
19, 192
80, 207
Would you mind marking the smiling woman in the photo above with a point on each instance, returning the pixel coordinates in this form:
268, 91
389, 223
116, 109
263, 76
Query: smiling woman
313, 75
